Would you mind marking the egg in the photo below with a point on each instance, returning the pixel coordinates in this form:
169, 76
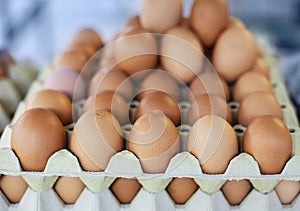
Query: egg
162, 102
182, 189
234, 53
88, 49
125, 189
54, 100
71, 59
36, 136
210, 83
257, 104
213, 142
2, 72
67, 81
110, 101
260, 65
249, 83
159, 16
268, 140
132, 24
154, 140
209, 18
185, 63
185, 22
69, 189
113, 80
208, 104
235, 191
287, 191
235, 22
94, 132
13, 187
6, 60
88, 36
136, 51
160, 81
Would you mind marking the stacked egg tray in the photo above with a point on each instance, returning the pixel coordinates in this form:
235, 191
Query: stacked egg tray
13, 89
40, 196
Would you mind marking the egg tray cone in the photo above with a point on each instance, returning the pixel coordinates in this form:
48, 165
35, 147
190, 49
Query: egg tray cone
125, 164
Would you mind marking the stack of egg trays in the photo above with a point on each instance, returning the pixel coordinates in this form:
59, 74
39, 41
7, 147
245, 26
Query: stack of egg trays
153, 196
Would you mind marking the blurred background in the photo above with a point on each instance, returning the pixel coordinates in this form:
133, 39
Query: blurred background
39, 29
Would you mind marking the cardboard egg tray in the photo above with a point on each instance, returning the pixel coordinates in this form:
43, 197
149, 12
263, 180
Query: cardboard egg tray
153, 196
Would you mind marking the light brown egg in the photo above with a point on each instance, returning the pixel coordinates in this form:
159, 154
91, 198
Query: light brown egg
136, 51
88, 36
186, 62
213, 141
154, 140
235, 22
110, 101
260, 65
235, 191
36, 136
258, 104
268, 140
159, 16
287, 191
13, 187
182, 189
234, 53
113, 80
71, 59
249, 83
208, 19
69, 189
96, 131
125, 189
162, 102
54, 100
208, 104
88, 49
208, 83
132, 24
159, 81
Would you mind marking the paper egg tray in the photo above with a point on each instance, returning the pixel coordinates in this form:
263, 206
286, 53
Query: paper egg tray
153, 196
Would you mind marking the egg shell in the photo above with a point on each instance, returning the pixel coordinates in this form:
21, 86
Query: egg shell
132, 24
154, 140
54, 100
162, 102
249, 83
37, 135
159, 16
287, 190
125, 189
208, 19
13, 187
94, 132
268, 140
213, 142
261, 65
6, 60
235, 22
67, 81
71, 59
69, 189
88, 36
186, 63
2, 72
235, 191
88, 49
257, 104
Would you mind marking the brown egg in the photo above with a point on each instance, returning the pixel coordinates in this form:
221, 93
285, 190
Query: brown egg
136, 51
182, 189
113, 80
260, 65
36, 136
249, 83
213, 141
96, 131
71, 59
208, 19
160, 81
125, 189
154, 140
287, 190
2, 72
162, 102
69, 189
208, 104
132, 24
159, 16
258, 104
268, 140
6, 60
54, 100
185, 22
234, 53
109, 101
235, 191
13, 187
210, 83
88, 49
235, 22
88, 36
186, 62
